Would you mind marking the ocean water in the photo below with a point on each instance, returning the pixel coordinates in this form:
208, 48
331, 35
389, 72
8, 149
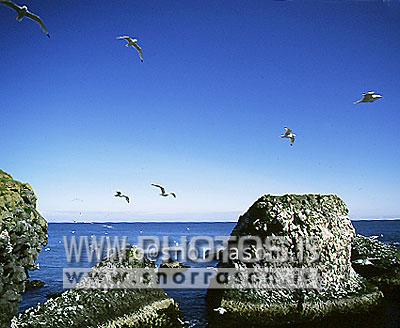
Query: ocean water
192, 302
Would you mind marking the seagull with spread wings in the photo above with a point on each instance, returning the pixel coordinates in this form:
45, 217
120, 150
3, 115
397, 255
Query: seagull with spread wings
369, 97
22, 11
132, 43
289, 135
119, 194
163, 192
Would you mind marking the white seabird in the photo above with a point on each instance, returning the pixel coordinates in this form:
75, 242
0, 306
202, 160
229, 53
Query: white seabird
369, 97
163, 192
132, 43
22, 12
289, 135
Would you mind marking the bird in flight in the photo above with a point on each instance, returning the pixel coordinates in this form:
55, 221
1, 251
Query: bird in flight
22, 11
132, 43
119, 194
289, 135
163, 192
369, 97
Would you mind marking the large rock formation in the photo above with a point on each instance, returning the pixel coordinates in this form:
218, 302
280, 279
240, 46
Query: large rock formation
23, 232
315, 233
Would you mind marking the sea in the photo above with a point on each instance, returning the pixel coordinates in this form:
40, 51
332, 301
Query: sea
53, 259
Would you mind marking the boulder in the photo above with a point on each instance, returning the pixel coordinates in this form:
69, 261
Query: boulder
33, 284
313, 232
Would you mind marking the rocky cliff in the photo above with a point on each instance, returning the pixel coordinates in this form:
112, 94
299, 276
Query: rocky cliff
23, 233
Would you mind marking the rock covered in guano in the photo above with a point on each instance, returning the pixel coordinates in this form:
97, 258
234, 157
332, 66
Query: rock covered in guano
316, 233
316, 225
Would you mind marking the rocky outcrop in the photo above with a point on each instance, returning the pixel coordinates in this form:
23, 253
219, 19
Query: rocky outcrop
100, 302
171, 264
314, 232
377, 262
23, 233
33, 284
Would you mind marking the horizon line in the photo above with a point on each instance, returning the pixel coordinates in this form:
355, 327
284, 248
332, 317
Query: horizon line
149, 217
199, 222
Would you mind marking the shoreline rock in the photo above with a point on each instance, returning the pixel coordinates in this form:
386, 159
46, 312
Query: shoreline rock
171, 264
94, 303
240, 314
378, 263
33, 284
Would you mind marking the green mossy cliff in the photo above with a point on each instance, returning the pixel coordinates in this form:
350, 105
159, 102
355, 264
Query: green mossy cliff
23, 233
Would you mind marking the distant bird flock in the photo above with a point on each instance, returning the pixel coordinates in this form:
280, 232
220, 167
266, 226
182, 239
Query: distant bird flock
22, 11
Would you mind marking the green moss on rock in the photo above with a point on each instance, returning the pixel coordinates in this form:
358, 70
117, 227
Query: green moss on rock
23, 233
160, 314
248, 314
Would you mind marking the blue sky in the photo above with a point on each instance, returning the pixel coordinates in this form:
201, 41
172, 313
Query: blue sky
81, 116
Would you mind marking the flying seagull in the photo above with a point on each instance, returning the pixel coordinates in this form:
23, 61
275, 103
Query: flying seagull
23, 11
369, 97
163, 192
132, 43
119, 194
289, 135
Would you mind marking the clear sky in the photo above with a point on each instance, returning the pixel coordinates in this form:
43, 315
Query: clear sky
81, 116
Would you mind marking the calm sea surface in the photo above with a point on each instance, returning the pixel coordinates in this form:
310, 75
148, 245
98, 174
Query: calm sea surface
53, 259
